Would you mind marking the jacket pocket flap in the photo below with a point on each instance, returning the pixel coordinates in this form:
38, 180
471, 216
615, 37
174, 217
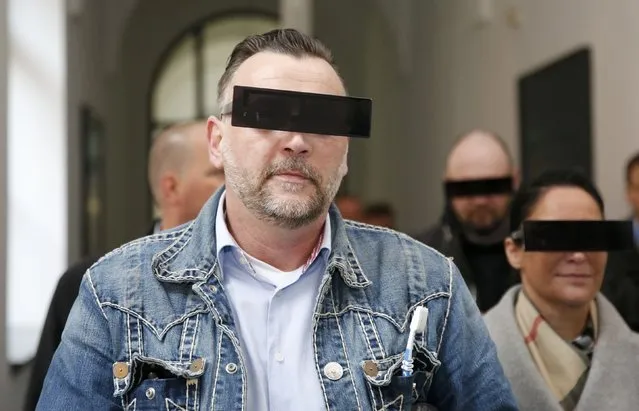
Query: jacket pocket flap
128, 374
380, 372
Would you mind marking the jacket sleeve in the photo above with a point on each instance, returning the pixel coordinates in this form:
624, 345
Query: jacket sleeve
80, 375
470, 376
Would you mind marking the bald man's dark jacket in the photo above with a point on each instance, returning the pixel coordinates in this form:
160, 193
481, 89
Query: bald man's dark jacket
63, 298
447, 238
621, 284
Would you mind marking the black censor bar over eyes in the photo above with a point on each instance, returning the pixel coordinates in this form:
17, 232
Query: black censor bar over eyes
470, 188
573, 235
300, 112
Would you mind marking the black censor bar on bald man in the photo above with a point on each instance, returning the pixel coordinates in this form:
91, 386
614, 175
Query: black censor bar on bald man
478, 187
574, 235
294, 111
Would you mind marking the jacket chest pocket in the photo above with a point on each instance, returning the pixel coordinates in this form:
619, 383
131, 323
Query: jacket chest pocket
153, 384
389, 389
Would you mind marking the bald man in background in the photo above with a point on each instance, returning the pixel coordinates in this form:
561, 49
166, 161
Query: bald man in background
181, 179
479, 181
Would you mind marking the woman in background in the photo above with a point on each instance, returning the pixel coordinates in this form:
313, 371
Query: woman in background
561, 343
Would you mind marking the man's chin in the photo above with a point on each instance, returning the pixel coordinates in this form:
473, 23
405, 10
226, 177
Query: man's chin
291, 187
481, 229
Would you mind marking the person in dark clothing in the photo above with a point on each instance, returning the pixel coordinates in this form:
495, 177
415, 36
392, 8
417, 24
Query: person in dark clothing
381, 214
621, 283
182, 179
479, 181
63, 298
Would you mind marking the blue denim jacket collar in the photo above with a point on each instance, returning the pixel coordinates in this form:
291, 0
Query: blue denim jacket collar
192, 256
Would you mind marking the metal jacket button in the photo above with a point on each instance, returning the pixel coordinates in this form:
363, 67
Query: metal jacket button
150, 393
333, 371
231, 368
120, 370
197, 365
370, 368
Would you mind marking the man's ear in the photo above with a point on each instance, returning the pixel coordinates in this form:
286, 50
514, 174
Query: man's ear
516, 178
514, 253
214, 131
169, 188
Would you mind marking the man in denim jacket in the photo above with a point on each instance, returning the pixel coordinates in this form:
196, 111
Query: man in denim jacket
269, 300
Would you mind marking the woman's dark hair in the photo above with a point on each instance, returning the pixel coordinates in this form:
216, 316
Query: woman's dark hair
527, 197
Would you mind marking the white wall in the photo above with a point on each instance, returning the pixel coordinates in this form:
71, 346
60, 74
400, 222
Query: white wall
4, 369
465, 76
37, 167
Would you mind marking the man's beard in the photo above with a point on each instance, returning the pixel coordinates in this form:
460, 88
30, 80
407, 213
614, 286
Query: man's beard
489, 233
253, 190
492, 223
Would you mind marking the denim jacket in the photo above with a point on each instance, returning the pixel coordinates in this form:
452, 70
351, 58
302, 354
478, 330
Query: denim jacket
152, 329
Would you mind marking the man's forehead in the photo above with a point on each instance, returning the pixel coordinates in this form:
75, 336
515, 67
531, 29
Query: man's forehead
478, 161
283, 72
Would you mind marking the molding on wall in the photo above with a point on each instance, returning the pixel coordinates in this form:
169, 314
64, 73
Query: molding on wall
399, 16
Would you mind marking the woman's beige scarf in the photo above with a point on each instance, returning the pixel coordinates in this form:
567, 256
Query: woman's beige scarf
561, 365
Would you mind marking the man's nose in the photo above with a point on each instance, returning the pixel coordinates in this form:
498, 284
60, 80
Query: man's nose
297, 144
479, 200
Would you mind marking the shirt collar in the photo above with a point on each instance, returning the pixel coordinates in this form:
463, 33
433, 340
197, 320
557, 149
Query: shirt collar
187, 260
223, 237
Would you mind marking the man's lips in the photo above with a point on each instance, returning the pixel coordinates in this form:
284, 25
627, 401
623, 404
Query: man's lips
291, 175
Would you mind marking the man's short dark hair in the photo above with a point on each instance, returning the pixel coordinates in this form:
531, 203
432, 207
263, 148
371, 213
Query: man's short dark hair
632, 164
528, 195
284, 41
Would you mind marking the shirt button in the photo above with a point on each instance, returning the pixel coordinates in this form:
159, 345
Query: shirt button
279, 357
150, 393
333, 371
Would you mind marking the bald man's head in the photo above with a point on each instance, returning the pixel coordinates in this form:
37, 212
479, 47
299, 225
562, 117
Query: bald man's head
181, 177
478, 154
477, 161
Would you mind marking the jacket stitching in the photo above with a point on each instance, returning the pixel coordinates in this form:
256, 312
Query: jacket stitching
401, 403
368, 343
147, 322
169, 403
401, 327
185, 327
450, 287
373, 355
95, 294
379, 341
217, 369
348, 364
128, 331
195, 336
140, 336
